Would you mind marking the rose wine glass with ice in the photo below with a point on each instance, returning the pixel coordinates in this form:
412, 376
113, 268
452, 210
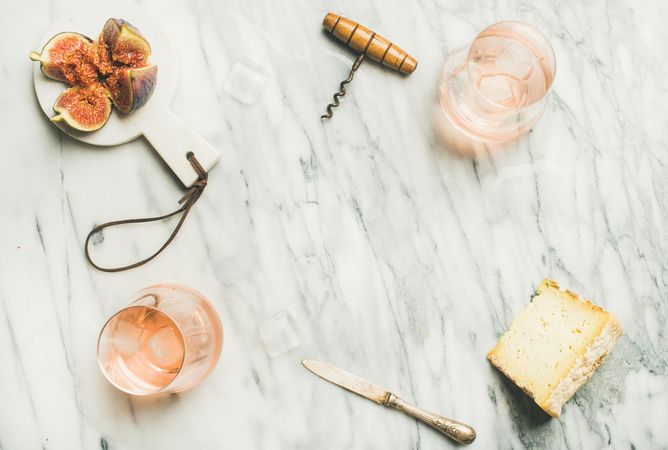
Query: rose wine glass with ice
167, 340
496, 89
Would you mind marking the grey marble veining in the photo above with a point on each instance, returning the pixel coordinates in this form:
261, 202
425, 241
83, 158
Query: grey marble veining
401, 261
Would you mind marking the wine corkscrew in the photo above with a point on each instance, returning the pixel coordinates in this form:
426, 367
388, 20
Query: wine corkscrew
370, 45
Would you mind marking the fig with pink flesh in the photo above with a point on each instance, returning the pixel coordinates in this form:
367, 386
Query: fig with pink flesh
67, 57
112, 69
130, 89
84, 108
125, 43
131, 81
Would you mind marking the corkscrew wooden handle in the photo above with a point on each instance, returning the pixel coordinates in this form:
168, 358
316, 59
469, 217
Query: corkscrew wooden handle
367, 42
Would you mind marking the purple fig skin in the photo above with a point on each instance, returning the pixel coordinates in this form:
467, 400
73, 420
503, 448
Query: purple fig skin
113, 70
143, 83
112, 29
133, 81
132, 28
122, 39
132, 88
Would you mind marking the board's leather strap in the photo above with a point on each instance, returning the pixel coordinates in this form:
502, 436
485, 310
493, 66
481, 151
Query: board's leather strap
187, 202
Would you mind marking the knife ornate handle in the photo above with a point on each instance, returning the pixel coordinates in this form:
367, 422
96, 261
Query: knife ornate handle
456, 431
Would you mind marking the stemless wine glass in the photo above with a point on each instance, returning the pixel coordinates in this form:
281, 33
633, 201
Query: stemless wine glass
495, 90
167, 340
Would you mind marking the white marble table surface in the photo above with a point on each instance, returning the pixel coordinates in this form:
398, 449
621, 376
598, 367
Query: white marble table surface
400, 259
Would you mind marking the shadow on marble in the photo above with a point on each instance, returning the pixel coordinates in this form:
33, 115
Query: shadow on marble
70, 142
458, 143
527, 414
53, 130
350, 54
114, 398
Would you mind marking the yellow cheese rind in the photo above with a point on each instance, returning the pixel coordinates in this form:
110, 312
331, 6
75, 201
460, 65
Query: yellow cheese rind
584, 367
554, 345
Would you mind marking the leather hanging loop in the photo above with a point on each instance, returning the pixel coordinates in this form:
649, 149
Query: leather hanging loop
187, 202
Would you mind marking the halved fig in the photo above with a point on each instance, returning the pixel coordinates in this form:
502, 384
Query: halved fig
130, 89
125, 43
84, 108
66, 57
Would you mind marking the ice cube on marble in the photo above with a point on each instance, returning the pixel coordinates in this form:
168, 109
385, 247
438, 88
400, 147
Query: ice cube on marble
245, 81
279, 334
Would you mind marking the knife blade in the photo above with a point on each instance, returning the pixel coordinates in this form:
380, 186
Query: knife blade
455, 430
347, 380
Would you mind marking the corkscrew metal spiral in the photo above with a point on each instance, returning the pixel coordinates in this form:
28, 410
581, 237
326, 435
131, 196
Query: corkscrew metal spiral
369, 44
342, 88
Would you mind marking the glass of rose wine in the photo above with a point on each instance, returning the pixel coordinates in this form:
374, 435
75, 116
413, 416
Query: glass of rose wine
495, 90
167, 340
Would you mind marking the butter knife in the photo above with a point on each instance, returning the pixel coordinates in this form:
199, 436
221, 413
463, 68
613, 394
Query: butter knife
456, 431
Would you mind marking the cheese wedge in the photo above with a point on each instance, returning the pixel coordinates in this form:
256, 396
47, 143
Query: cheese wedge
554, 345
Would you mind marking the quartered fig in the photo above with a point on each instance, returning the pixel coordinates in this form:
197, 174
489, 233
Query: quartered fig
131, 81
130, 89
125, 43
113, 69
84, 108
67, 57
